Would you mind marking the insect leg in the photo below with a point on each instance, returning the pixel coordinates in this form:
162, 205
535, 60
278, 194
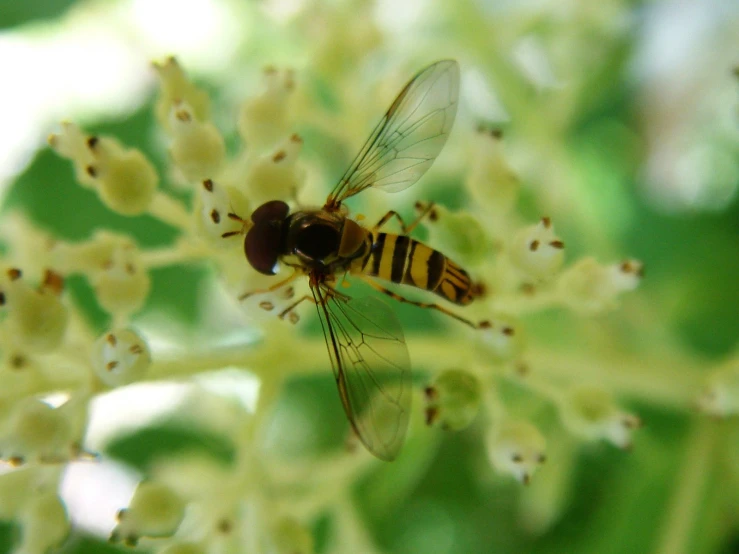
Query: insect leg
426, 210
244, 226
294, 317
296, 273
479, 325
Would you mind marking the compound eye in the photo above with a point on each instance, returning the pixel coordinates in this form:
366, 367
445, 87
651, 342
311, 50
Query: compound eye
270, 211
262, 246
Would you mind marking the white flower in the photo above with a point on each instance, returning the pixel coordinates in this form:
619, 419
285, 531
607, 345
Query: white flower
516, 448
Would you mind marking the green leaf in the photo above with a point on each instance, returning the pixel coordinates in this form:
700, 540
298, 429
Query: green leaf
142, 448
19, 13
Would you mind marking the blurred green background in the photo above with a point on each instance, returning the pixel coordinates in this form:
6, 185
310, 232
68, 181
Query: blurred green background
622, 121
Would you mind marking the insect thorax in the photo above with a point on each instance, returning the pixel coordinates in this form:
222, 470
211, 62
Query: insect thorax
315, 239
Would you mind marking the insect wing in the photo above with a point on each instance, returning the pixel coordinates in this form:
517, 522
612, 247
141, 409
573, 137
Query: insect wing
409, 137
371, 366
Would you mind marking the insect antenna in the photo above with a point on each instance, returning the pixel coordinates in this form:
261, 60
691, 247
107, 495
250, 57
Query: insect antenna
244, 225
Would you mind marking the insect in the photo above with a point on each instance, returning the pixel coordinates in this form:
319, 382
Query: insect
363, 336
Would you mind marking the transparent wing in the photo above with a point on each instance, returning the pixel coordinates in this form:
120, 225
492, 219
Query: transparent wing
371, 366
408, 138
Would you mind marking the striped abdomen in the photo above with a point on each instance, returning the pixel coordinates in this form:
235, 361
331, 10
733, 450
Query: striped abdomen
400, 259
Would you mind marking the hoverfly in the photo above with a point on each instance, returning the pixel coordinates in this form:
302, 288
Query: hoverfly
363, 336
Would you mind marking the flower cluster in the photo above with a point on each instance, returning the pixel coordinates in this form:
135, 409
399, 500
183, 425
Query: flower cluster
191, 504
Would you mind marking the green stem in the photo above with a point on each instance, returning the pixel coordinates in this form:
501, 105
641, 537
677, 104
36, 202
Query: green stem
692, 481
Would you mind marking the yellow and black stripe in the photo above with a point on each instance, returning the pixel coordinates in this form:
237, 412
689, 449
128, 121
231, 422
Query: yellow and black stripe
400, 259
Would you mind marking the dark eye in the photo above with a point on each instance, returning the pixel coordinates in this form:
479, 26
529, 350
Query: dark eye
270, 211
317, 241
262, 246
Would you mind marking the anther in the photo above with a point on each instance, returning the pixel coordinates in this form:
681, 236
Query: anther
432, 414
183, 116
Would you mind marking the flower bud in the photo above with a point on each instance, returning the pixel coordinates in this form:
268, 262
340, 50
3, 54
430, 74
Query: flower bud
263, 119
291, 537
517, 448
155, 511
457, 234
590, 287
121, 283
720, 396
198, 148
537, 252
37, 318
71, 143
184, 548
14, 487
126, 181
37, 432
349, 34
276, 176
503, 340
592, 414
213, 204
44, 523
120, 357
453, 400
491, 182
176, 88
